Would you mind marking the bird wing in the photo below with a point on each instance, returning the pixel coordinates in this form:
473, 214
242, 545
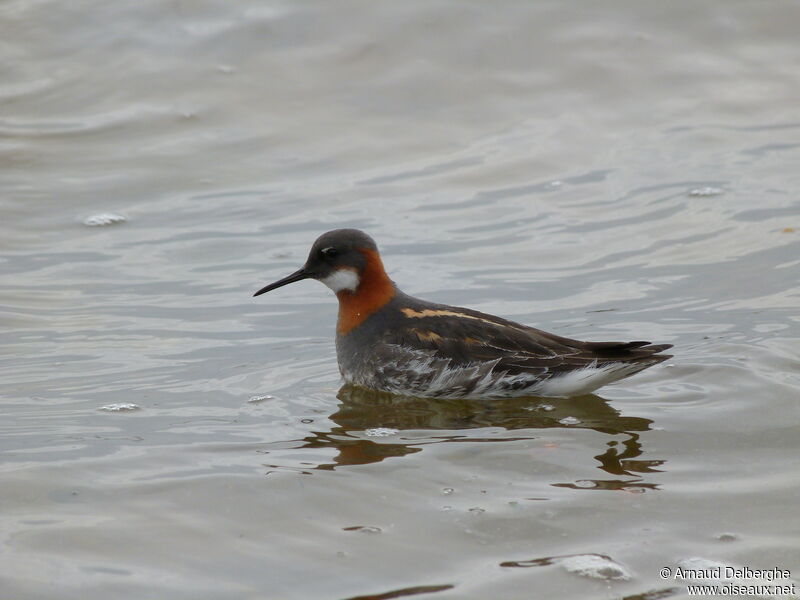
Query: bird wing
466, 337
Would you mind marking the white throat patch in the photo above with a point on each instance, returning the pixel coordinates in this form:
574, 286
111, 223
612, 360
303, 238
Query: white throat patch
342, 279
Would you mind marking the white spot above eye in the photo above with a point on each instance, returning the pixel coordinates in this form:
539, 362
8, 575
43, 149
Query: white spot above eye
342, 279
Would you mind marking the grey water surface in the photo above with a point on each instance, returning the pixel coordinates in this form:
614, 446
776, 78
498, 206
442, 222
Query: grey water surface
618, 170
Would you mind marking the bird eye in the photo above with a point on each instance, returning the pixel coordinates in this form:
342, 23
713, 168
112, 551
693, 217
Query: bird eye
329, 252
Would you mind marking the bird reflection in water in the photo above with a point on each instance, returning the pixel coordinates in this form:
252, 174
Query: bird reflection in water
361, 410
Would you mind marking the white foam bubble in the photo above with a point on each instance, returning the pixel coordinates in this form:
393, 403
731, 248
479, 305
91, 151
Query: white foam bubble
103, 219
596, 567
257, 399
705, 191
120, 407
381, 432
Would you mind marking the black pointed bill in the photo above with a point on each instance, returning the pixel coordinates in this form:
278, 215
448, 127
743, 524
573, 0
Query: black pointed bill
296, 276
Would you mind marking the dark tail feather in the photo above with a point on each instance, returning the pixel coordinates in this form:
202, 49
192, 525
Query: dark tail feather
630, 351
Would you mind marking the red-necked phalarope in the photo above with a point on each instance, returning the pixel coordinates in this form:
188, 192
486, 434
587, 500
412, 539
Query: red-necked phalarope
388, 341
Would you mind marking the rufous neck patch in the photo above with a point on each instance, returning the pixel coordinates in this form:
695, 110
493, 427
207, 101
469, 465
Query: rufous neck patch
374, 290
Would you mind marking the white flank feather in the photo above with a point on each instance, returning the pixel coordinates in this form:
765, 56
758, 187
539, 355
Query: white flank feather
419, 373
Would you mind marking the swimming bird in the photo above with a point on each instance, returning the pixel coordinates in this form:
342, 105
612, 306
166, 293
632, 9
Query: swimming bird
389, 341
